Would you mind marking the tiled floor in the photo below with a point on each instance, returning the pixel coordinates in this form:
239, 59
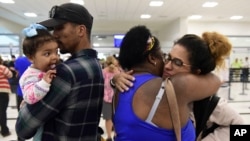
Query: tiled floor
241, 102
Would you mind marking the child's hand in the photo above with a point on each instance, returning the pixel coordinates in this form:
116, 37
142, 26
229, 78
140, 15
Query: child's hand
49, 75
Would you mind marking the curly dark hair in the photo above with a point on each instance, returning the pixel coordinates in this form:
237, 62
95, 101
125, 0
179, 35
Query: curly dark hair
134, 46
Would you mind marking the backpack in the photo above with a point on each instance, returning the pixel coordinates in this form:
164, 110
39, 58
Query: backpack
202, 110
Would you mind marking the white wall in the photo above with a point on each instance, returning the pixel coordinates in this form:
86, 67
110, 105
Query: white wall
227, 28
8, 27
181, 26
11, 26
171, 32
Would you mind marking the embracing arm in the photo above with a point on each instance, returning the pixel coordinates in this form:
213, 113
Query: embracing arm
123, 81
195, 87
31, 117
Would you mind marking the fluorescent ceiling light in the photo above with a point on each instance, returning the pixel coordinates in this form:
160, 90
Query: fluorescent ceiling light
119, 36
195, 17
96, 45
81, 2
236, 17
156, 3
145, 16
210, 4
30, 14
7, 1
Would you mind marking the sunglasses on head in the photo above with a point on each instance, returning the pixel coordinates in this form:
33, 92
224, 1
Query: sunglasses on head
59, 12
55, 10
175, 61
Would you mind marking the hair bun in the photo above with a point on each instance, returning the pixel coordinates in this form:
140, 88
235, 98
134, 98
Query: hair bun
219, 46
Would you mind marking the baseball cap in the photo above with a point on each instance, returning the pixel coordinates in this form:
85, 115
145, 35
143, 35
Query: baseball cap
68, 12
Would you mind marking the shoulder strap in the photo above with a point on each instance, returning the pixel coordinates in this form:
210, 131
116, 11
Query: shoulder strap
208, 105
213, 103
209, 130
173, 107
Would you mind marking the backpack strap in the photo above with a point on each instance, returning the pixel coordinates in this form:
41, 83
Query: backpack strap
208, 105
209, 130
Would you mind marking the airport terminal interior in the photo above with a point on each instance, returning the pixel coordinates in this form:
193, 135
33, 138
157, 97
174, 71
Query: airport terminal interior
167, 19
239, 99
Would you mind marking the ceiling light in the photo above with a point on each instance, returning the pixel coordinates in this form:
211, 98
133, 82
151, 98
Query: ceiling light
236, 17
145, 16
156, 3
7, 1
81, 2
119, 36
96, 45
210, 4
30, 14
195, 17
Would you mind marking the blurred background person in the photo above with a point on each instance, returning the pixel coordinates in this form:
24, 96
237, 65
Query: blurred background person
21, 64
112, 68
245, 73
5, 74
236, 65
14, 79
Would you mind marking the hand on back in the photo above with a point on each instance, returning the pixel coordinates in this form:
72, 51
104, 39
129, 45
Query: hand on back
123, 80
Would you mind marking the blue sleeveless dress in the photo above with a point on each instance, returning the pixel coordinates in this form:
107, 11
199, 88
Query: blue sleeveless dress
129, 127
